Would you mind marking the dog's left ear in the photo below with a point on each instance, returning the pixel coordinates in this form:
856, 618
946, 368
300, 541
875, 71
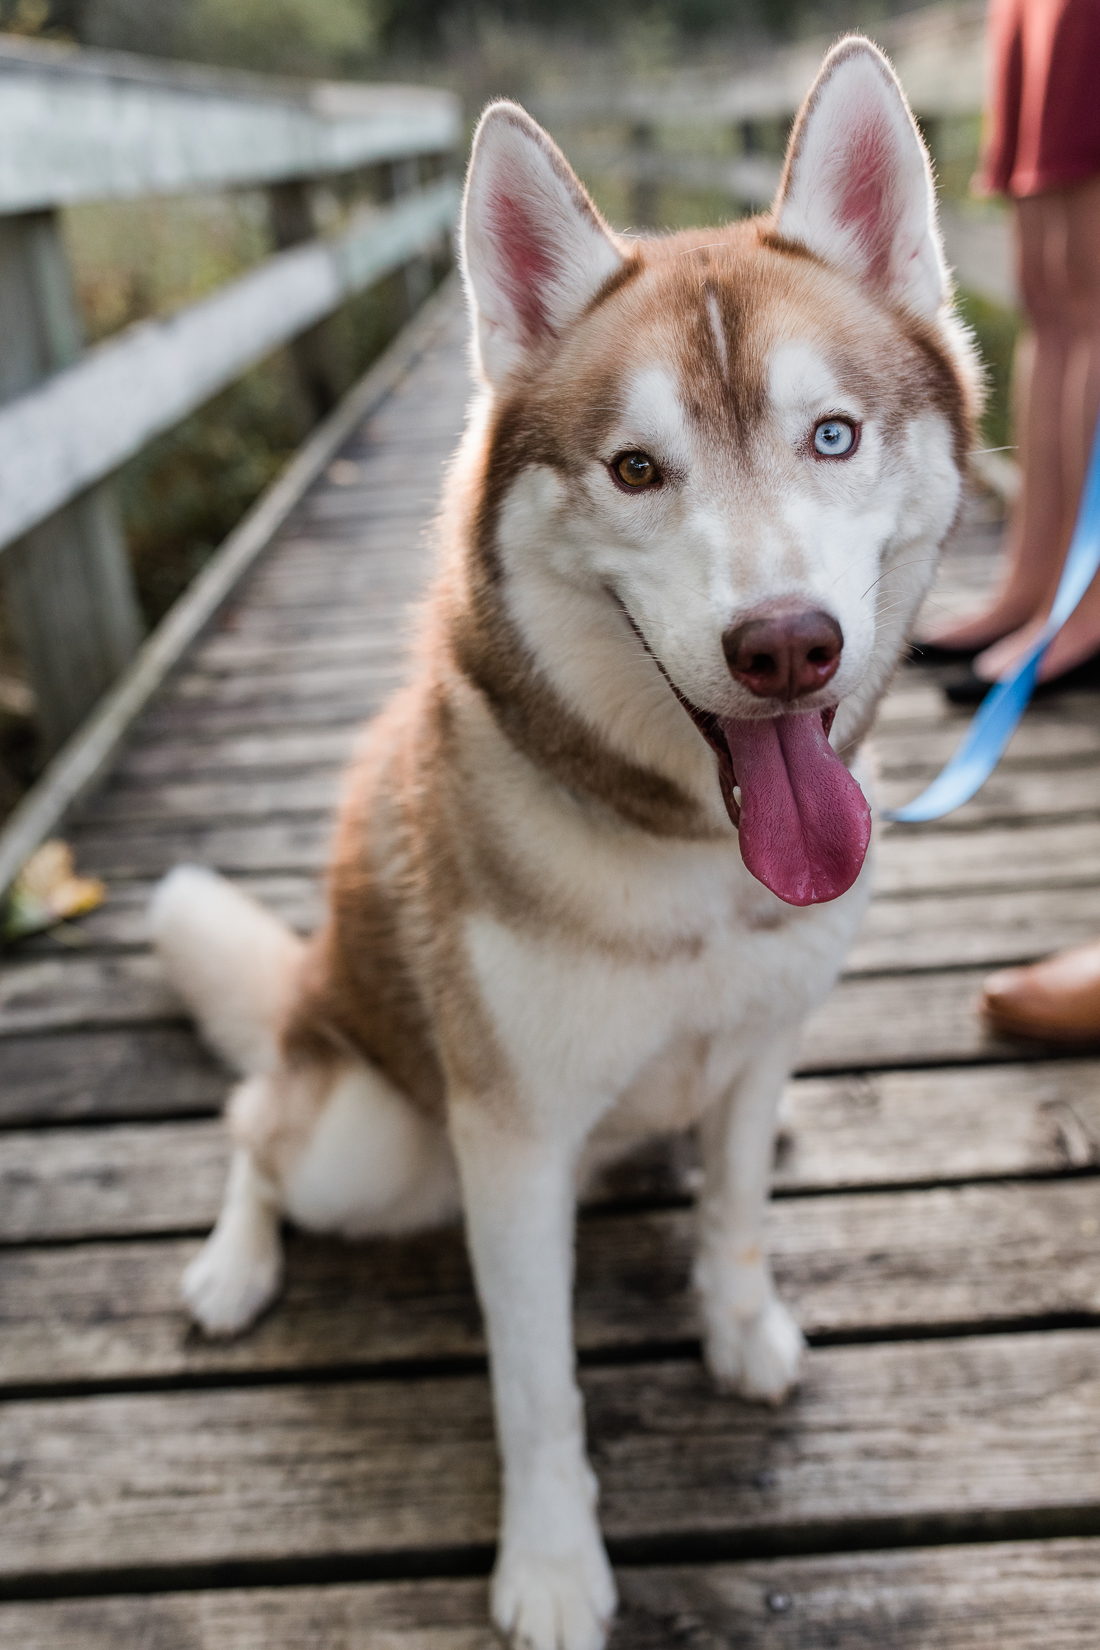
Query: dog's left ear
535, 251
857, 186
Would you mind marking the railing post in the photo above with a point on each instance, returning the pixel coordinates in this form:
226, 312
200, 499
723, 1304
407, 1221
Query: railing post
404, 177
293, 221
67, 584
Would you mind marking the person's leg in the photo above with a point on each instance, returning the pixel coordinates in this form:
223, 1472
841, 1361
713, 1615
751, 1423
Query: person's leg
1075, 278
1034, 550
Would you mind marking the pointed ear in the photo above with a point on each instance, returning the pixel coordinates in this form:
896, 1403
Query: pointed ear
857, 186
535, 251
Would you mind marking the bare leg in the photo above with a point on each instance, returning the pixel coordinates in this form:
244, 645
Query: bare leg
753, 1345
1057, 393
1061, 446
552, 1586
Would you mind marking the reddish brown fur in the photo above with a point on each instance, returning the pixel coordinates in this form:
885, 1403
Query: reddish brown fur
387, 978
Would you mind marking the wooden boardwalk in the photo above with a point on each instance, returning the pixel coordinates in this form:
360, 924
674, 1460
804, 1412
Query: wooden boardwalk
329, 1482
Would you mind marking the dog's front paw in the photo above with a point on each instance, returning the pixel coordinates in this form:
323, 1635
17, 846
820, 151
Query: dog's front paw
758, 1357
555, 1601
233, 1277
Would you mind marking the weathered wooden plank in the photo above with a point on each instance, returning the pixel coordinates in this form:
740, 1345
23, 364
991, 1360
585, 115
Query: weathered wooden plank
152, 761
294, 845
1058, 854
892, 1129
875, 1264
899, 1020
121, 923
1012, 794
1045, 738
328, 585
96, 125
1012, 1596
1002, 1596
294, 682
889, 1128
226, 653
984, 1435
57, 992
1005, 925
202, 723
883, 1129
254, 797
147, 1071
78, 1183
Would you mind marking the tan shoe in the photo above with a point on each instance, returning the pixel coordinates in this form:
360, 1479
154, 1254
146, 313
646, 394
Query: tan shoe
1057, 999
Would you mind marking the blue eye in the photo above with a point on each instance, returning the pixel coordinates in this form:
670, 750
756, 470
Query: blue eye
834, 438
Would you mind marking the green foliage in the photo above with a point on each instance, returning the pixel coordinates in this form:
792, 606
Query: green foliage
186, 491
281, 36
996, 330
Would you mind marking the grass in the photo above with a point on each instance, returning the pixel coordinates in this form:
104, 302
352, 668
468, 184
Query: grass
996, 330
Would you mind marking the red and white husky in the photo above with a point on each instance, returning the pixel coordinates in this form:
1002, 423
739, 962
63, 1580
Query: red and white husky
601, 858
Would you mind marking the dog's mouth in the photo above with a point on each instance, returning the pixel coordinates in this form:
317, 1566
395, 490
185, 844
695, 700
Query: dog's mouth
802, 819
803, 822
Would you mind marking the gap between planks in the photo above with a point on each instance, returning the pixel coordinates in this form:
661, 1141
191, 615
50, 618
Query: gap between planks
877, 1267
893, 1443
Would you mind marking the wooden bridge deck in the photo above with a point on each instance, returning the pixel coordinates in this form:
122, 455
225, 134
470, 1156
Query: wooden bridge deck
329, 1481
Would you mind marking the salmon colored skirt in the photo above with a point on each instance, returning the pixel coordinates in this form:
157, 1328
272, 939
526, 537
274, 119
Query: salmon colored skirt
1045, 120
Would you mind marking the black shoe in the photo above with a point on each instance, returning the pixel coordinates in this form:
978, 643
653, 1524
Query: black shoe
929, 653
968, 689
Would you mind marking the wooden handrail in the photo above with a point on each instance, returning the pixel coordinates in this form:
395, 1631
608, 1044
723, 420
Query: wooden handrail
84, 422
79, 125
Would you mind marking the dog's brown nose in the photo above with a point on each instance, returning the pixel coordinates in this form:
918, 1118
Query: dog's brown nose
785, 655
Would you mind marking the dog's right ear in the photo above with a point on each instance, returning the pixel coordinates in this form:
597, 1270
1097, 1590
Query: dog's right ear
535, 251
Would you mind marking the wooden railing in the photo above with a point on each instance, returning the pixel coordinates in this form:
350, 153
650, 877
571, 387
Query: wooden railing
90, 126
646, 130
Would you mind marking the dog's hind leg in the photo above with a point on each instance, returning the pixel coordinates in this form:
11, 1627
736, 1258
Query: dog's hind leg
336, 1148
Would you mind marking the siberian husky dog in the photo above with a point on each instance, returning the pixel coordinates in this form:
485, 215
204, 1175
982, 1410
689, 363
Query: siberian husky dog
600, 859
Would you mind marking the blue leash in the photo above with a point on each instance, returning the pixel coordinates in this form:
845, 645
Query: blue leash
998, 716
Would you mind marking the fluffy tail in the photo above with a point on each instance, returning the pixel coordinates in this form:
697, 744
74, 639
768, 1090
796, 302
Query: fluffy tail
232, 962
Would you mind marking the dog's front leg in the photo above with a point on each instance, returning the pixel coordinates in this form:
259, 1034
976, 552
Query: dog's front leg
552, 1586
753, 1345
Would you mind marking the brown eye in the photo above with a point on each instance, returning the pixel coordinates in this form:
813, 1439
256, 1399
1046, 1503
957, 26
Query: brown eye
636, 470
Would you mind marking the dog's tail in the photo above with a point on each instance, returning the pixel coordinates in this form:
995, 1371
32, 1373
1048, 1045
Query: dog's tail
231, 961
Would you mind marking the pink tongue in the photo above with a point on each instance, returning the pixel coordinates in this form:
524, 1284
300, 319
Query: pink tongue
805, 823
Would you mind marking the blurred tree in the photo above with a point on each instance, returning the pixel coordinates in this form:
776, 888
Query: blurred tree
310, 37
343, 36
282, 36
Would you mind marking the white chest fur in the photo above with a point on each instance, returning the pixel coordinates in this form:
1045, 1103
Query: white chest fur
654, 1019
